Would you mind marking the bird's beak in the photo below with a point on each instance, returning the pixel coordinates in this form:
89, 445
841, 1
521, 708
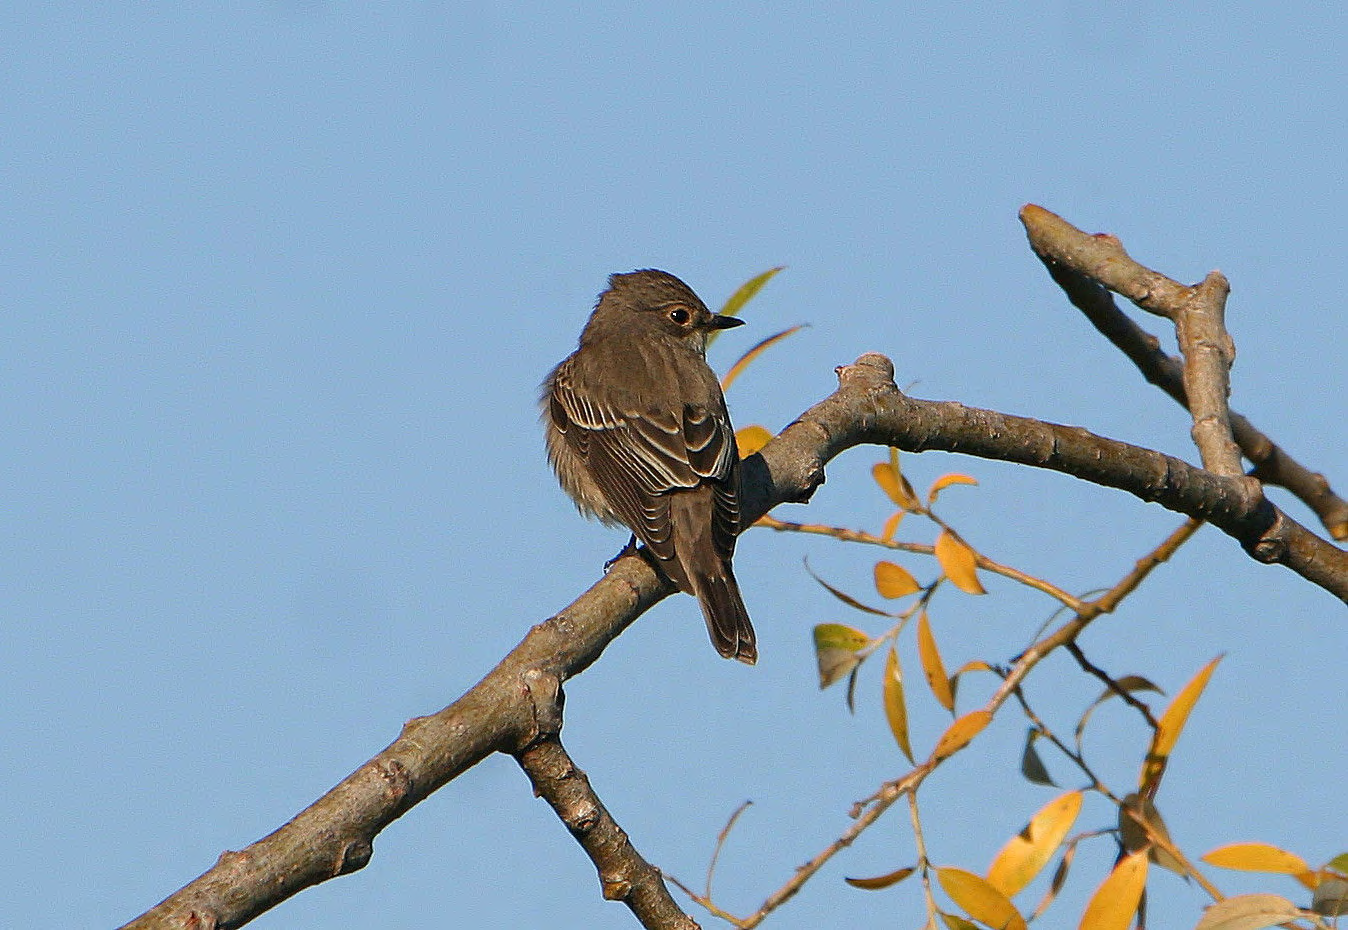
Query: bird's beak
721, 321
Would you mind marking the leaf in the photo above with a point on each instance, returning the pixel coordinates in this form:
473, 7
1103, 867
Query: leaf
894, 580
976, 665
881, 881
1026, 853
840, 636
894, 484
956, 922
852, 688
835, 649
1339, 863
1170, 726
979, 899
1136, 810
744, 361
1128, 683
896, 712
751, 439
932, 666
891, 527
944, 482
1248, 912
748, 290
1256, 857
1331, 896
1031, 766
959, 733
847, 599
1115, 902
958, 562
1059, 879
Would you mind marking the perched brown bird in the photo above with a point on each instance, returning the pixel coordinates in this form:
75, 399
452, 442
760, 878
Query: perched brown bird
638, 434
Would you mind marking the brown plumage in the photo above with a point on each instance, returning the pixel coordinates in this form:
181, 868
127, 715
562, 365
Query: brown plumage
639, 435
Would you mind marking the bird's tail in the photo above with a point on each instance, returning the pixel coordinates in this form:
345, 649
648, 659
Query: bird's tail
727, 621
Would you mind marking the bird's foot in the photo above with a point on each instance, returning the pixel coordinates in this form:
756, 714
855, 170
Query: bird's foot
629, 549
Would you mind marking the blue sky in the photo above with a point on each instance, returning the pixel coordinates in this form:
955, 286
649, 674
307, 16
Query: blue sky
279, 282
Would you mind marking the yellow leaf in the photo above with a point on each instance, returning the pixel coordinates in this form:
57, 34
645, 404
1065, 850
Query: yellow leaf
1026, 854
751, 439
737, 369
891, 528
974, 665
894, 484
979, 899
1170, 726
932, 666
959, 562
1115, 902
1311, 880
896, 712
958, 734
955, 922
944, 482
1249, 912
894, 580
881, 881
1257, 857
835, 649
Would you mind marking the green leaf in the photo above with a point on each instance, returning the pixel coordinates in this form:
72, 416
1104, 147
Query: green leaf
835, 650
747, 291
1031, 765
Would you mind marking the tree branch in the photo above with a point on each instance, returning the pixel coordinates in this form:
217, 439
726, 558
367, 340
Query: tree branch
335, 835
1264, 531
1087, 267
623, 874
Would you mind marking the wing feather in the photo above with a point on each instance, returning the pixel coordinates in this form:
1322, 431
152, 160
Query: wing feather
639, 455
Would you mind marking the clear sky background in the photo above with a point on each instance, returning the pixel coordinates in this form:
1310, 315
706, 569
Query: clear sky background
279, 281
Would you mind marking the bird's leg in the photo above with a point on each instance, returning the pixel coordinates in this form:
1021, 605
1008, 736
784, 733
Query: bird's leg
629, 549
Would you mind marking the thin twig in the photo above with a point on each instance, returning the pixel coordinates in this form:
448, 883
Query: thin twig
860, 536
1122, 693
1077, 759
720, 842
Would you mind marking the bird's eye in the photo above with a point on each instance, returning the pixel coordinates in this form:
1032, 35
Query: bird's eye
679, 316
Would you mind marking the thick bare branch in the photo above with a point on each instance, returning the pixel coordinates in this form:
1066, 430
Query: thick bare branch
623, 874
1200, 325
335, 835
1085, 267
1264, 531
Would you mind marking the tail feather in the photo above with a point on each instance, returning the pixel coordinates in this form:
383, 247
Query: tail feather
727, 620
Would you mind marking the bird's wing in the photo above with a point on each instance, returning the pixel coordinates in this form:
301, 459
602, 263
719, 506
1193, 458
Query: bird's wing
638, 456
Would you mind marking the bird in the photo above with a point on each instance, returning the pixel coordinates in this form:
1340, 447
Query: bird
639, 435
